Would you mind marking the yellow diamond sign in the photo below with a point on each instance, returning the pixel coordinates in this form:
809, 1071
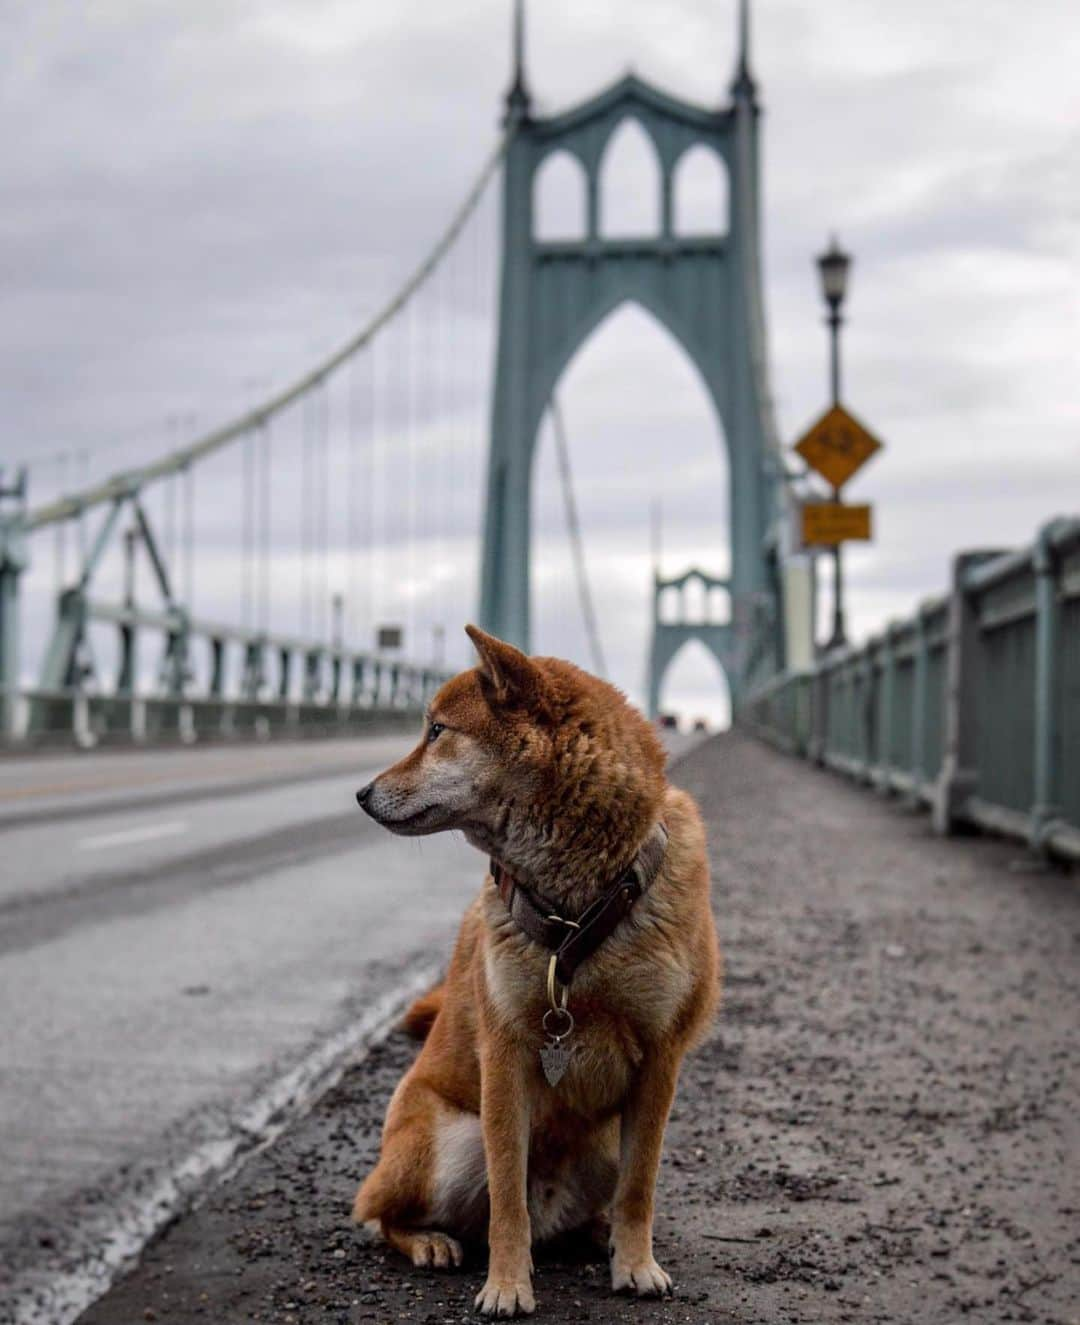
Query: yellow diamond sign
837, 446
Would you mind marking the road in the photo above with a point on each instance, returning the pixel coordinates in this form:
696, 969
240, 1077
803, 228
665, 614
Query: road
178, 931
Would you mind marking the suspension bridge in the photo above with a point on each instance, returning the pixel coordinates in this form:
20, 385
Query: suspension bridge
219, 915
377, 449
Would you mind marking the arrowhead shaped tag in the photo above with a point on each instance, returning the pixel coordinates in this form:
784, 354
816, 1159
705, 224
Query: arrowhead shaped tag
555, 1058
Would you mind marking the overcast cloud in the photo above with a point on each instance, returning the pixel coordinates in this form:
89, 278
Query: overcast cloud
202, 198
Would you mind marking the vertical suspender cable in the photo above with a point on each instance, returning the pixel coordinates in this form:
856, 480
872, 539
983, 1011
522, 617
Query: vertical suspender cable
324, 510
368, 526
305, 516
84, 481
246, 479
189, 537
427, 477
410, 487
60, 542
440, 442
352, 508
577, 550
264, 587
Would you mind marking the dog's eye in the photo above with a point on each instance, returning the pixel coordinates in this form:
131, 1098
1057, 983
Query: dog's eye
435, 729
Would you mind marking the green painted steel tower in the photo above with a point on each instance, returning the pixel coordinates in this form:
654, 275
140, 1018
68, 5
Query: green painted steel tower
706, 290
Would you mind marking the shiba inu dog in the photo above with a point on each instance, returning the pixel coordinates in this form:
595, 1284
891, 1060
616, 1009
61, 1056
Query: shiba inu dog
582, 973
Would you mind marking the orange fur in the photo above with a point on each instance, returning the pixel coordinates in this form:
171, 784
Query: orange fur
421, 1015
552, 771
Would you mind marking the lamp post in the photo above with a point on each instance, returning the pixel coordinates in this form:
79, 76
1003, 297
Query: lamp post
833, 267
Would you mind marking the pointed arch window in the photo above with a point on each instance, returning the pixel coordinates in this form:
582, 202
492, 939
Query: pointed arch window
630, 191
701, 193
559, 199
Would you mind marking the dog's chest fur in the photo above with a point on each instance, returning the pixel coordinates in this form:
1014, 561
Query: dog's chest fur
626, 997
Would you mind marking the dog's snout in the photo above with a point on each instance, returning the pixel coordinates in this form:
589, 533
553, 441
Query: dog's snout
364, 795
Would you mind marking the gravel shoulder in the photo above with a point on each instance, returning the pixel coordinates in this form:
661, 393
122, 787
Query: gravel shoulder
883, 1128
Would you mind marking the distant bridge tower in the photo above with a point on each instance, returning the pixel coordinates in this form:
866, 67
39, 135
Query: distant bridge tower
710, 624
705, 290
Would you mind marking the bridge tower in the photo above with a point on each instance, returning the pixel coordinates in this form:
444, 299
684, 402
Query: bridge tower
711, 626
705, 290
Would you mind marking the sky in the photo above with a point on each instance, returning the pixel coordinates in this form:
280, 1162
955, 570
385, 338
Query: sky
201, 199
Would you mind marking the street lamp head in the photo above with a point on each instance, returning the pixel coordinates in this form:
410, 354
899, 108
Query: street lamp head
834, 265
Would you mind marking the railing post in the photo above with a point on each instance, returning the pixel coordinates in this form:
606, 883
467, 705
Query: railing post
958, 778
13, 561
254, 670
284, 673
919, 686
819, 742
888, 705
867, 719
217, 667
312, 675
1045, 809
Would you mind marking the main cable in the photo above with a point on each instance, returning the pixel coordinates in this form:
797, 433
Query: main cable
121, 485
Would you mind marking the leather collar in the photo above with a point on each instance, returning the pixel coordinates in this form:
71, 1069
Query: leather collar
573, 941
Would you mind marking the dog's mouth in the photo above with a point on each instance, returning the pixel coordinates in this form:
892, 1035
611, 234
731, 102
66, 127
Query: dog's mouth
428, 820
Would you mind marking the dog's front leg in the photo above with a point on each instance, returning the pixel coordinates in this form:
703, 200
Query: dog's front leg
644, 1117
505, 1121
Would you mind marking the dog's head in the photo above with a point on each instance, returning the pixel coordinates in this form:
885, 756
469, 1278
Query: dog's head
537, 762
486, 739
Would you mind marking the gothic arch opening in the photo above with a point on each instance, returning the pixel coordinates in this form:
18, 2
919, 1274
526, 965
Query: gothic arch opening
642, 433
560, 207
695, 687
700, 190
630, 187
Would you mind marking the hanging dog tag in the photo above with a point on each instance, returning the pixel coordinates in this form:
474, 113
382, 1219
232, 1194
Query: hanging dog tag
555, 1056
555, 1059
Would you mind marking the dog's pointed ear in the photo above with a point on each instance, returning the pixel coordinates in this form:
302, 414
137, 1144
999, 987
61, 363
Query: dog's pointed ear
512, 675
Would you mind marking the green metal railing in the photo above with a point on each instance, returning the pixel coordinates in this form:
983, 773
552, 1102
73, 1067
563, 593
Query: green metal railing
971, 706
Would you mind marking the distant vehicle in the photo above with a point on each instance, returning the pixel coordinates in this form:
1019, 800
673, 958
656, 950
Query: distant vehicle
701, 725
669, 721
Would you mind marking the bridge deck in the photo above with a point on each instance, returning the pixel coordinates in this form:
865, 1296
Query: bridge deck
883, 1127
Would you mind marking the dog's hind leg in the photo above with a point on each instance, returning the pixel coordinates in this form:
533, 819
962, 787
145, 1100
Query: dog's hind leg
429, 1178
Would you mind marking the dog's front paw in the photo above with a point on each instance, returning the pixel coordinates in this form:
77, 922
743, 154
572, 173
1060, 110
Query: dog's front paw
643, 1276
506, 1297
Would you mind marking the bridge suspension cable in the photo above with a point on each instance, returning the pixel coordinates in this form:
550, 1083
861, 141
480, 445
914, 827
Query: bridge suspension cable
122, 485
577, 547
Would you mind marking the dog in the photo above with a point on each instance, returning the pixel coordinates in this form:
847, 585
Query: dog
582, 973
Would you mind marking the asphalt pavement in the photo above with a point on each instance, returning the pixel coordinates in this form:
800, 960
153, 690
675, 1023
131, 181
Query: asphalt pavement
883, 1128
178, 932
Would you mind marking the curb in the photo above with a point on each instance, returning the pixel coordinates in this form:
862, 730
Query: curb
158, 1196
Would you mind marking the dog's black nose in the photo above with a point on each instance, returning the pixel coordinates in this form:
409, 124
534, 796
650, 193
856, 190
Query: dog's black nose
364, 795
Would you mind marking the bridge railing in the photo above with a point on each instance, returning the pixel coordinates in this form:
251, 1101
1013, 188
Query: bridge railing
215, 682
971, 706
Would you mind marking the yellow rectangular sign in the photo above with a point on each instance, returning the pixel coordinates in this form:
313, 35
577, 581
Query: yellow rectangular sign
837, 446
826, 523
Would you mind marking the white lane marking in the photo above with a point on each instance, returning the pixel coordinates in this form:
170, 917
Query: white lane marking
130, 836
